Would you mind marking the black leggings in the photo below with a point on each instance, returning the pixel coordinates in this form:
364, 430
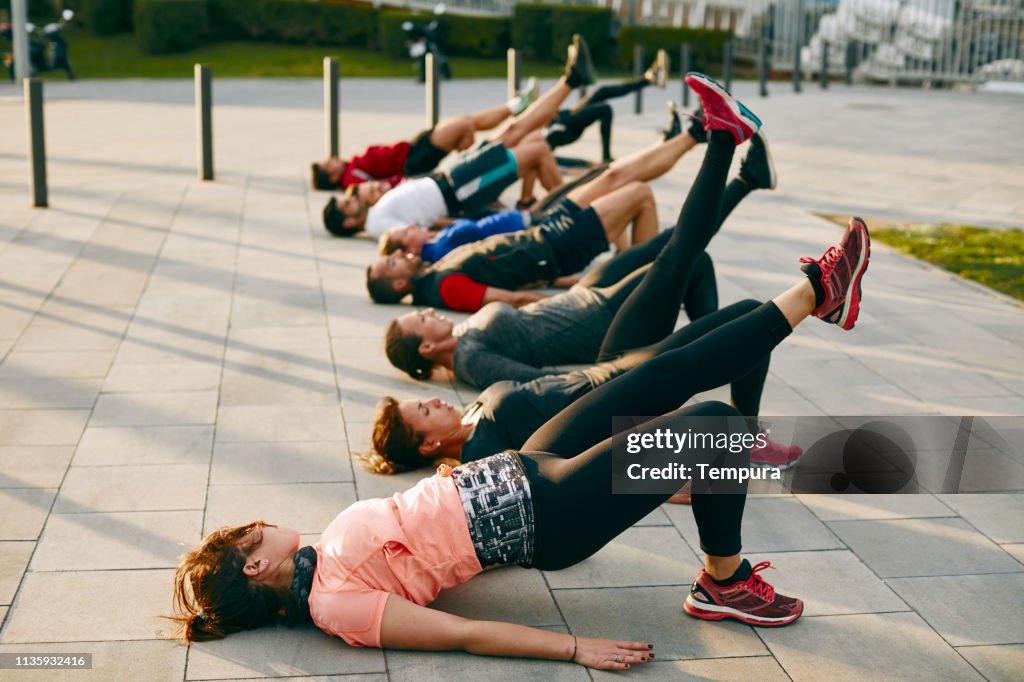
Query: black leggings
569, 459
569, 124
650, 311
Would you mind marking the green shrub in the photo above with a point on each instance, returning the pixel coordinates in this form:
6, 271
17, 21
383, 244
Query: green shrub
543, 31
706, 46
104, 17
474, 36
294, 21
165, 26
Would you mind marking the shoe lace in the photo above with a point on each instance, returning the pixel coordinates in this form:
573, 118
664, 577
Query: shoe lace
756, 584
828, 262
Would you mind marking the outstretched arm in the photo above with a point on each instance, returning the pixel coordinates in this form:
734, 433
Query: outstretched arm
408, 626
515, 298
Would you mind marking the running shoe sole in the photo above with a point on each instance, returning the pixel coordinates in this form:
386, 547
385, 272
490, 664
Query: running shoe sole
851, 306
706, 611
780, 467
701, 83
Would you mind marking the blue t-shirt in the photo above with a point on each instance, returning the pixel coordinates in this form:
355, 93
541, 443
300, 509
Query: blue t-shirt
466, 231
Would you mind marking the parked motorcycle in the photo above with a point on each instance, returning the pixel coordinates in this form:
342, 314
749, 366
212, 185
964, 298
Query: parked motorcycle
47, 49
426, 39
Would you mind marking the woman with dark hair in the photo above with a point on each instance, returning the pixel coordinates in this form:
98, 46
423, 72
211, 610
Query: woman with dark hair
549, 506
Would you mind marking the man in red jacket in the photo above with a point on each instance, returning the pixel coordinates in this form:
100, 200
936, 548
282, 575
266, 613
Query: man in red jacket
393, 162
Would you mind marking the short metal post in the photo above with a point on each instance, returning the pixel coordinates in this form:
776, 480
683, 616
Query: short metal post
824, 64
204, 121
727, 64
851, 59
638, 69
797, 44
433, 90
331, 139
36, 141
20, 40
515, 65
762, 71
684, 68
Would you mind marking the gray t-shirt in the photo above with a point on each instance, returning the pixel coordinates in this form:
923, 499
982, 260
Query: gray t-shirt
501, 343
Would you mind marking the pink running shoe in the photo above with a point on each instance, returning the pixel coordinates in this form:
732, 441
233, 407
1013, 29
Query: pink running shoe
839, 272
775, 455
722, 111
751, 601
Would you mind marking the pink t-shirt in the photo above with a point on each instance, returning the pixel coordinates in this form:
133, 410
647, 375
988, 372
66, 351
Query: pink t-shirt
413, 544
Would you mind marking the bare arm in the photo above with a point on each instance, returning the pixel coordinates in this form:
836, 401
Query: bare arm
408, 626
515, 298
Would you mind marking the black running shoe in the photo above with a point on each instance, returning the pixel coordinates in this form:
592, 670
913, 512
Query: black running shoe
757, 169
675, 125
579, 69
696, 129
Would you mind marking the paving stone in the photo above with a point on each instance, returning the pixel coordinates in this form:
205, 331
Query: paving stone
141, 660
997, 516
769, 525
751, 668
88, 542
279, 423
284, 462
968, 609
33, 466
830, 583
48, 392
997, 663
132, 488
654, 614
34, 619
23, 512
640, 556
155, 409
179, 376
279, 652
232, 505
871, 507
1016, 550
41, 427
412, 666
68, 364
509, 594
355, 677
141, 445
897, 646
14, 557
916, 547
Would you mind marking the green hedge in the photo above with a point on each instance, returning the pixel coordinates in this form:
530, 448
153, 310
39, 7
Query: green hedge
294, 21
104, 17
543, 31
706, 46
485, 37
163, 26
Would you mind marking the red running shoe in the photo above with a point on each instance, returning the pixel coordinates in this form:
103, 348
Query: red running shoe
751, 601
839, 272
722, 111
775, 455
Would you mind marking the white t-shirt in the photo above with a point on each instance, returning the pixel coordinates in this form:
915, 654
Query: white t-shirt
416, 201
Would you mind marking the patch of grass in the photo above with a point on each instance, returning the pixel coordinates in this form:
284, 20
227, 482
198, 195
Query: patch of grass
119, 57
991, 257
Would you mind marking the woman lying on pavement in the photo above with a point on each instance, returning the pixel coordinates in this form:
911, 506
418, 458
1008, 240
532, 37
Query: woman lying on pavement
548, 506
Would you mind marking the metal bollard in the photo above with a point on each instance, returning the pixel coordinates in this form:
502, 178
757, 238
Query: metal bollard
684, 68
727, 65
797, 75
515, 68
762, 70
851, 60
331, 139
824, 64
638, 69
204, 121
36, 141
433, 90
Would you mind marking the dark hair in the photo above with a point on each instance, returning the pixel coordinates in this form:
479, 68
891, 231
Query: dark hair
404, 352
321, 179
213, 597
394, 440
334, 220
381, 289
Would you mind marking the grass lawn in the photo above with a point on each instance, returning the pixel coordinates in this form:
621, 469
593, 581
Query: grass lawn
119, 57
991, 257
